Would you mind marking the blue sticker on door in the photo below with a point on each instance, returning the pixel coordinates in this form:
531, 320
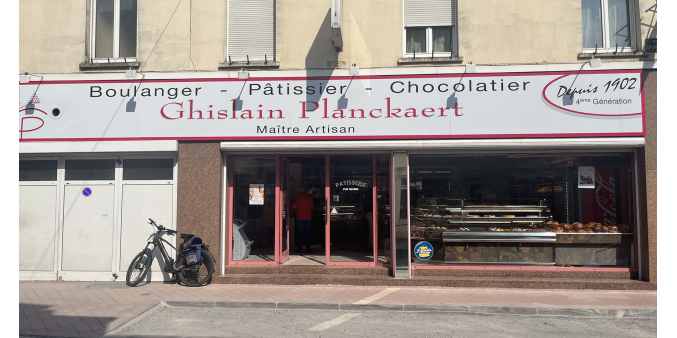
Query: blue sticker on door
423, 250
87, 191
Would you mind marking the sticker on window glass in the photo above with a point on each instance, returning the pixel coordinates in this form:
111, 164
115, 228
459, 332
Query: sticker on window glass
256, 194
423, 250
586, 177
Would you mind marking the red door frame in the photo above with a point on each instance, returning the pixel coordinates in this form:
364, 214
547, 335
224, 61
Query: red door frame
284, 255
278, 220
327, 192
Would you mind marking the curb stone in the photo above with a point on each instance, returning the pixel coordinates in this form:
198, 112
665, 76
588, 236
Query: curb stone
639, 312
122, 323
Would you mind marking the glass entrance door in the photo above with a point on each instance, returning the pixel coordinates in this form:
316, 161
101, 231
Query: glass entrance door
351, 209
285, 203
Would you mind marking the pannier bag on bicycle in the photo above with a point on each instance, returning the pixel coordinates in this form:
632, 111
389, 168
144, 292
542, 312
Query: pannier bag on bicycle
193, 247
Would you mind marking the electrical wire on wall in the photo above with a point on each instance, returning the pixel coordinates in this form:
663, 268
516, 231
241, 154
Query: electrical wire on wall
156, 43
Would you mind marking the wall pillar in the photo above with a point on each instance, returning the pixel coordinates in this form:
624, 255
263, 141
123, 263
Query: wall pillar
649, 231
199, 194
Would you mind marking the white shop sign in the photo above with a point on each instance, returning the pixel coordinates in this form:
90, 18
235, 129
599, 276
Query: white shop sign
554, 104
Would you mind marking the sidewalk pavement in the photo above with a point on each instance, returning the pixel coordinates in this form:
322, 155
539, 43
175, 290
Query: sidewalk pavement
89, 309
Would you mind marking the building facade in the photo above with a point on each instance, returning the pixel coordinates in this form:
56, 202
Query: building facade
447, 137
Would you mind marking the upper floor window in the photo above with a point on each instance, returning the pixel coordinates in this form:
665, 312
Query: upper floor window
114, 30
607, 25
251, 30
429, 28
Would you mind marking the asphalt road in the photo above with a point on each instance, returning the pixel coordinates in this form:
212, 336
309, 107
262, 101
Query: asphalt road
221, 322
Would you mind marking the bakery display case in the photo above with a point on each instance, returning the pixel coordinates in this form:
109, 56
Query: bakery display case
463, 231
468, 220
593, 244
470, 231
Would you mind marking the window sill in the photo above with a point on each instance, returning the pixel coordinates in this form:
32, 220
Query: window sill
251, 65
613, 55
111, 65
429, 60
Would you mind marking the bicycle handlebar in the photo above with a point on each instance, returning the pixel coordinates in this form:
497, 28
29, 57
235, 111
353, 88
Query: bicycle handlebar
161, 228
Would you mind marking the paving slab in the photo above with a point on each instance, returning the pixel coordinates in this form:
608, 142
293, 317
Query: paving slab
93, 308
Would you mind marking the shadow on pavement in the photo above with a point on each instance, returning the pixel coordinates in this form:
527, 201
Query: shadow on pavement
38, 319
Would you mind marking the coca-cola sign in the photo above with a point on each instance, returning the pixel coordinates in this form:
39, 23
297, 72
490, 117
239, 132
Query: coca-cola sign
608, 202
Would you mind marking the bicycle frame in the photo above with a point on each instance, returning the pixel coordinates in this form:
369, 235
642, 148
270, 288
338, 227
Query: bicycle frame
157, 243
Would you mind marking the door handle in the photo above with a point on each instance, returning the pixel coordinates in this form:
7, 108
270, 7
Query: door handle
326, 211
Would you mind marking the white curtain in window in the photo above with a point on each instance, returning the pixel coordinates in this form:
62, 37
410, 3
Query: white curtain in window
416, 40
619, 29
592, 23
441, 39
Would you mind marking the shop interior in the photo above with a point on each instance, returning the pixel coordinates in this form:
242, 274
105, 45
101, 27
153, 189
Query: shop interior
524, 209
351, 201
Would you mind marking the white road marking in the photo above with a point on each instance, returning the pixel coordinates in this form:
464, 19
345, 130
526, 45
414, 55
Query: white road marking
336, 321
377, 296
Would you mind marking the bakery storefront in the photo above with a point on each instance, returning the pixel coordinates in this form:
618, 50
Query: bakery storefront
439, 170
569, 209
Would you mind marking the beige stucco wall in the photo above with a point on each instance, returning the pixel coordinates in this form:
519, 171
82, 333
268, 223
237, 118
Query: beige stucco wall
303, 34
174, 50
373, 32
53, 34
519, 31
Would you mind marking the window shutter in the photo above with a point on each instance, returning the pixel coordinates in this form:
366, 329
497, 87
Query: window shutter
426, 13
251, 30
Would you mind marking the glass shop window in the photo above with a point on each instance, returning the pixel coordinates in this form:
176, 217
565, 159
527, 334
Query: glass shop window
90, 170
160, 169
253, 209
569, 210
37, 170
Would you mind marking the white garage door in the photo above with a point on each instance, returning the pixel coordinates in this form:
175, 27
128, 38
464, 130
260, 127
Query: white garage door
88, 228
84, 219
139, 203
37, 227
147, 192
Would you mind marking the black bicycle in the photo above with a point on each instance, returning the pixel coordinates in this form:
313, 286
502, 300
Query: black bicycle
194, 264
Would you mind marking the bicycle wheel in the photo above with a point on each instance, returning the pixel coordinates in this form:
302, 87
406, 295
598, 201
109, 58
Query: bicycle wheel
200, 274
139, 268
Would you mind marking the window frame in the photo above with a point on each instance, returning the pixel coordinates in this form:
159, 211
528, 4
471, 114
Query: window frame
429, 43
116, 35
606, 37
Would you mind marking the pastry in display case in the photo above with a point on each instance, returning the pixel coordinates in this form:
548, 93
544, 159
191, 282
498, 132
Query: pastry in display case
465, 215
590, 227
